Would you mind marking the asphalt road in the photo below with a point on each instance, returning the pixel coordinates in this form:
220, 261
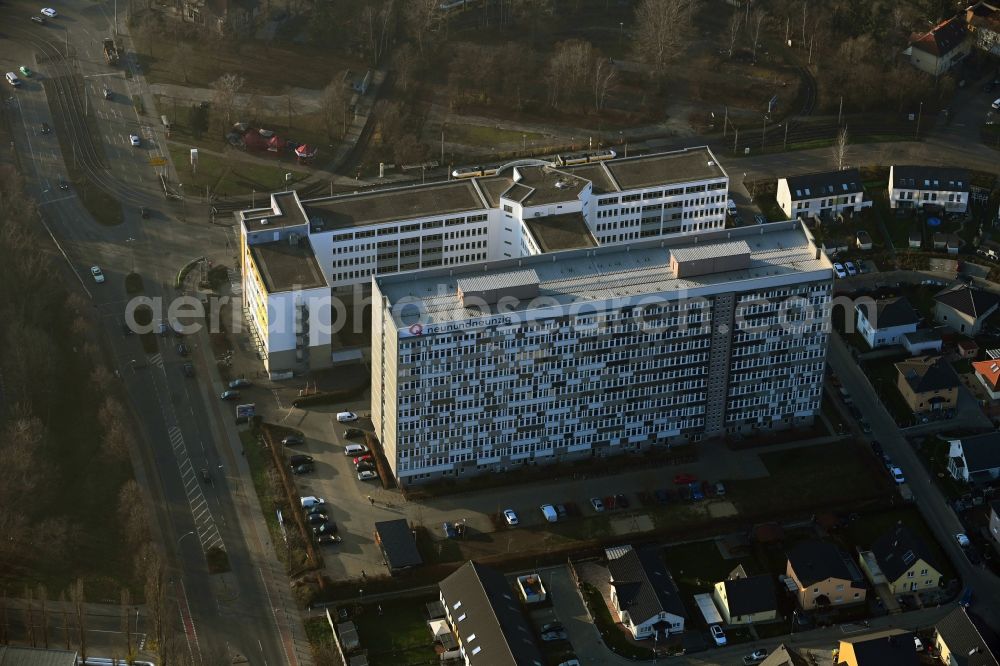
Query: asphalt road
247, 611
928, 498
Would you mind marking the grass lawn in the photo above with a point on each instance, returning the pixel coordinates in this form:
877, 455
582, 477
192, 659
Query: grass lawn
934, 451
801, 478
227, 176
696, 567
398, 635
480, 135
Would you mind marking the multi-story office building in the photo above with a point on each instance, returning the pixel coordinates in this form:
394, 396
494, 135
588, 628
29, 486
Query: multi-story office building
524, 209
598, 351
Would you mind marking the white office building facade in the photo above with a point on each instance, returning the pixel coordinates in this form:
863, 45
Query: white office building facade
606, 350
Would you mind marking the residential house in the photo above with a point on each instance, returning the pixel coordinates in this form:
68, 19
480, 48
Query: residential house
883, 322
995, 521
927, 383
966, 348
864, 240
963, 308
786, 656
744, 599
487, 618
824, 575
825, 194
959, 642
975, 459
983, 21
917, 186
643, 593
941, 48
221, 17
892, 646
922, 341
906, 561
988, 374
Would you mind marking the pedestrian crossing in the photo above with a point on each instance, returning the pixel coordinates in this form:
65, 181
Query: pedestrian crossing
157, 360
205, 527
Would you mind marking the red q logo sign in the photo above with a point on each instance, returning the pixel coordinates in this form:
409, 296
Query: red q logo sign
416, 329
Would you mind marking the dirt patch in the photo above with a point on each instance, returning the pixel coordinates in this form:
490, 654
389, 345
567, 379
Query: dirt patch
631, 524
722, 509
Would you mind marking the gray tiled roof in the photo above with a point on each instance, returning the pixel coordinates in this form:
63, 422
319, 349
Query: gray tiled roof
25, 656
642, 583
398, 544
898, 549
890, 312
746, 596
968, 300
930, 178
964, 641
926, 373
488, 618
897, 649
982, 452
813, 561
825, 184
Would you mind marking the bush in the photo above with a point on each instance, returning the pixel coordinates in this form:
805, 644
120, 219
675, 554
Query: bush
133, 283
329, 397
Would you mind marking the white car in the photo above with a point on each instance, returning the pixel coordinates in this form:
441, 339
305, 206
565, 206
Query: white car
962, 540
851, 268
346, 417
897, 475
840, 270
134, 140
918, 644
510, 517
367, 475
311, 500
97, 273
597, 504
718, 635
48, 11
996, 105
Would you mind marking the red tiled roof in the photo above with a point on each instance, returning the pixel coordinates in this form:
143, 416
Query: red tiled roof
942, 38
988, 370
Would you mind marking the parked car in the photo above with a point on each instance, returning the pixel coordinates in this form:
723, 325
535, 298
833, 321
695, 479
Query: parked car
292, 440
720, 489
361, 459
40, 20
315, 508
963, 540
839, 269
696, 493
718, 635
364, 466
327, 538
621, 502
510, 517
48, 11
597, 504
561, 511
551, 626
996, 104
449, 531
188, 369
325, 528
97, 274
897, 475
240, 383
559, 635
755, 657
662, 496
46, 129
25, 71
851, 268
107, 93
918, 645
684, 479
134, 140
317, 519
300, 459
229, 395
351, 433
367, 475
143, 212
355, 449
346, 417
311, 501
303, 469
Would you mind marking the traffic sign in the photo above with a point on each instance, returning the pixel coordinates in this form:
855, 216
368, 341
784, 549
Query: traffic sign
157, 161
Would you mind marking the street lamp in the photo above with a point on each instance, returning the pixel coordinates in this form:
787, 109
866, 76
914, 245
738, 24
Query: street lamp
184, 535
131, 246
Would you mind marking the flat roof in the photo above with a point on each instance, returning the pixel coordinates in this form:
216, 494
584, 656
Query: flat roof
568, 231
493, 187
284, 266
401, 203
540, 185
285, 211
665, 168
596, 174
613, 271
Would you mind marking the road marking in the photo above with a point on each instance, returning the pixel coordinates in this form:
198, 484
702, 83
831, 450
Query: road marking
190, 633
207, 530
157, 360
50, 201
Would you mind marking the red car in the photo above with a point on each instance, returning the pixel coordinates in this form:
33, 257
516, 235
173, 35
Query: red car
684, 479
361, 459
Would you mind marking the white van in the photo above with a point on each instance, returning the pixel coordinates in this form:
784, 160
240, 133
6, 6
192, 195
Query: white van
355, 449
346, 417
13, 80
549, 512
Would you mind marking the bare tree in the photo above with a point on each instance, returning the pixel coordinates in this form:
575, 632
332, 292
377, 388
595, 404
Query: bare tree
43, 596
805, 17
568, 69
604, 74
404, 62
840, 148
757, 21
151, 564
333, 106
378, 18
419, 16
64, 607
3, 619
663, 29
132, 514
29, 616
735, 23
226, 88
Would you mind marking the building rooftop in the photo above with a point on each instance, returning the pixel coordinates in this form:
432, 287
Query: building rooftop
785, 656
568, 231
982, 452
400, 203
922, 335
813, 561
541, 185
642, 583
899, 549
597, 174
942, 38
397, 544
893, 646
964, 640
968, 300
890, 312
928, 373
750, 595
493, 187
285, 266
781, 250
489, 619
285, 211
665, 168
930, 178
988, 370
825, 184
11, 655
